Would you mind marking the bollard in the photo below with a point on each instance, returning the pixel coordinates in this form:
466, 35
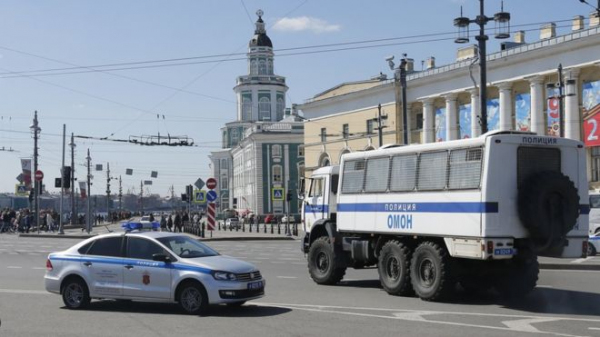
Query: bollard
249, 228
203, 229
271, 227
278, 228
219, 224
295, 229
243, 228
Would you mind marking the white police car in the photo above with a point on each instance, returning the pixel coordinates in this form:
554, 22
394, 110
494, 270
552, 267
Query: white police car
151, 266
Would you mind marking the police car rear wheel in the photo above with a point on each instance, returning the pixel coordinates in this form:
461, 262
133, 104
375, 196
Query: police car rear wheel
75, 294
591, 251
193, 299
393, 267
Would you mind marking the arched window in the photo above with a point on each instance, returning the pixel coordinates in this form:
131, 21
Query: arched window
262, 67
253, 67
280, 108
324, 160
277, 178
276, 150
264, 109
270, 67
246, 109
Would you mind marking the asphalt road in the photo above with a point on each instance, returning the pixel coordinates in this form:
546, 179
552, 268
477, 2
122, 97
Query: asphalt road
566, 303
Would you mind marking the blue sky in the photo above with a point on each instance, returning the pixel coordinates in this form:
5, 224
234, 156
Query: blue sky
42, 35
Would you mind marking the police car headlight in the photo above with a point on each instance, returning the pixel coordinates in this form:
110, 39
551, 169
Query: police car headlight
223, 276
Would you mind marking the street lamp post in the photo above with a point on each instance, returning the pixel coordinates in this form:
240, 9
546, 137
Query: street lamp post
35, 128
502, 30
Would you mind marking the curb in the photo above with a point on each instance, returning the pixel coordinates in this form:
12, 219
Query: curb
262, 238
558, 266
57, 236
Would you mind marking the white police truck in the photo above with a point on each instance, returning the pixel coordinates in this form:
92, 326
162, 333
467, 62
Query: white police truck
474, 211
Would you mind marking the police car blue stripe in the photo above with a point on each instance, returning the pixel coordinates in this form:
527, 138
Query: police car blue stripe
316, 208
421, 207
584, 209
127, 261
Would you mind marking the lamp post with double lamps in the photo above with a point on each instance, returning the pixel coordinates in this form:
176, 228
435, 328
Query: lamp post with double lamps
502, 31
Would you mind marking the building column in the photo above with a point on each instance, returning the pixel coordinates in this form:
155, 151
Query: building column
536, 85
572, 115
451, 117
428, 121
506, 106
475, 113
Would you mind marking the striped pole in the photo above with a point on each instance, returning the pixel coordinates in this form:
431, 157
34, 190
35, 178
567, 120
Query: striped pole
210, 214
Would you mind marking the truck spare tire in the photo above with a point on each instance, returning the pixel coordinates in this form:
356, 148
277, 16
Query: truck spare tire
548, 206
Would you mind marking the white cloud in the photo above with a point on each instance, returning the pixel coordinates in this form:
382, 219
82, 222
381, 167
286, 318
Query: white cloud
304, 23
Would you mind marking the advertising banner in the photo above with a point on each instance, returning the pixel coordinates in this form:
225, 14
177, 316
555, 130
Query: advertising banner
26, 167
440, 124
553, 112
523, 111
83, 189
493, 114
591, 113
464, 115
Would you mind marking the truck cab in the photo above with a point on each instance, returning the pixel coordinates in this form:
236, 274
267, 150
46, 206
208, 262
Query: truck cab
320, 199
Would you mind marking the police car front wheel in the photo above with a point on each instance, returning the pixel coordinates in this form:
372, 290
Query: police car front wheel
193, 298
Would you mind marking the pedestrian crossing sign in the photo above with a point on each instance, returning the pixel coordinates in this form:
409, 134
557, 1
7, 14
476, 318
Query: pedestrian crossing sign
200, 197
277, 194
21, 190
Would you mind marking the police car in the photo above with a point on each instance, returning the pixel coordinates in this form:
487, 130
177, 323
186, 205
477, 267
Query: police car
151, 266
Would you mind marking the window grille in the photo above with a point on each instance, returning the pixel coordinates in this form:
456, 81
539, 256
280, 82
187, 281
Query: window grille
465, 168
378, 171
354, 174
404, 173
432, 171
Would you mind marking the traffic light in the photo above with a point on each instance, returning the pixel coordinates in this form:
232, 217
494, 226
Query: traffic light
288, 196
66, 176
189, 190
184, 197
31, 194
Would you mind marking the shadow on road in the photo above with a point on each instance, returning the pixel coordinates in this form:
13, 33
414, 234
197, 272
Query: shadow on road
247, 310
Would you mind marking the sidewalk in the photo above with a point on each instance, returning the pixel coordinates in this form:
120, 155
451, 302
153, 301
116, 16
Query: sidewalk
75, 232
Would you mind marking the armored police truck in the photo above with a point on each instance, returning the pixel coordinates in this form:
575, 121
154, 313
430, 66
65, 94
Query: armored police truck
475, 211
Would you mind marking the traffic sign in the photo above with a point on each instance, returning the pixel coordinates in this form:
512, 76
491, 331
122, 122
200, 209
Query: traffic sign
277, 193
199, 183
39, 175
200, 197
211, 183
21, 190
211, 196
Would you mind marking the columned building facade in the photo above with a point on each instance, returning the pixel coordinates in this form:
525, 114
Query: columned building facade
443, 104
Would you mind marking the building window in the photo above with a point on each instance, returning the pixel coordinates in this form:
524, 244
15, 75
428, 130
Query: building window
270, 67
253, 67
224, 182
596, 163
234, 135
323, 135
246, 109
277, 174
276, 150
345, 131
264, 109
370, 126
301, 151
419, 124
262, 67
280, 108
224, 164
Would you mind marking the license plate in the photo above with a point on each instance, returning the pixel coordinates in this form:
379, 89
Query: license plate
255, 285
503, 251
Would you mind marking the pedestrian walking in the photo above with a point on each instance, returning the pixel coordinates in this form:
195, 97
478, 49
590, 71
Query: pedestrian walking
177, 223
170, 223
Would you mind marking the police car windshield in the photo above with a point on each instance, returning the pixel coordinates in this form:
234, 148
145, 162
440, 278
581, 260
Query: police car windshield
187, 248
595, 201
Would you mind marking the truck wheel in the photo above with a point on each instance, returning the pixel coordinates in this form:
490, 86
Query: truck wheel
393, 269
430, 272
521, 276
321, 262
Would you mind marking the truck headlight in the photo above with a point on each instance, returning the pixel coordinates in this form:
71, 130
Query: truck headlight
223, 276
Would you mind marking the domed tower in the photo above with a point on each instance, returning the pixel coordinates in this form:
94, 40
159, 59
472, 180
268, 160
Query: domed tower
260, 93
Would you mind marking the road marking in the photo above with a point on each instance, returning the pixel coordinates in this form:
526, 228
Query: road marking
14, 267
581, 260
287, 277
544, 286
39, 268
594, 328
571, 271
524, 325
301, 263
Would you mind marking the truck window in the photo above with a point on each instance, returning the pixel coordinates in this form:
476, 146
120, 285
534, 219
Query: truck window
433, 171
378, 171
316, 188
465, 168
334, 183
354, 175
404, 173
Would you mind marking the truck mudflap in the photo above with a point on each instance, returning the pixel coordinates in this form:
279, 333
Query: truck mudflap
305, 243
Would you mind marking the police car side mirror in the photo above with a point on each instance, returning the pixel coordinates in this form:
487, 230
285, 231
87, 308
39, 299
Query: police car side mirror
161, 257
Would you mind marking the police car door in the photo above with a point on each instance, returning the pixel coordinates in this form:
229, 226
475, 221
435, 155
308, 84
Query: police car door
144, 277
102, 266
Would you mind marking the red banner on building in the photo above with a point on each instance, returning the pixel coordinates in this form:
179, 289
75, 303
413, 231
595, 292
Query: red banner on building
26, 167
591, 127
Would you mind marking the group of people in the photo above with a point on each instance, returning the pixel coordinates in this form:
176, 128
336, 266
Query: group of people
23, 220
174, 222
